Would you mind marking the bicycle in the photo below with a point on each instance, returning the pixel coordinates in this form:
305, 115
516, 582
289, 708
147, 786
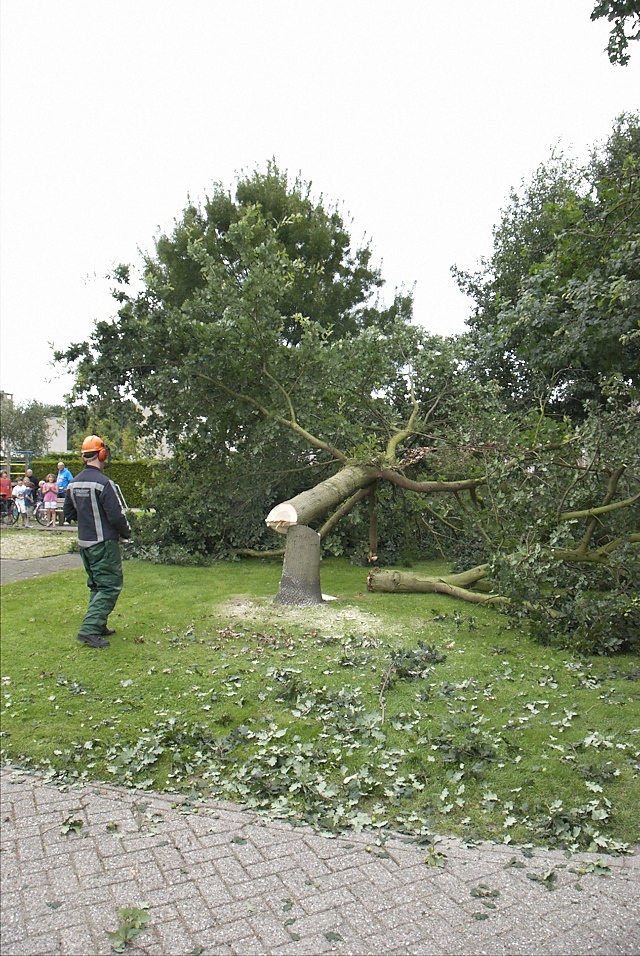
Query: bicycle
9, 513
40, 513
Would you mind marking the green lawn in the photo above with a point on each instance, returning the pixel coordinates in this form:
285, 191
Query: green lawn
410, 712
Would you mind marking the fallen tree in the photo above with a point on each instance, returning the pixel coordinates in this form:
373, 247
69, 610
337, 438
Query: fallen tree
352, 483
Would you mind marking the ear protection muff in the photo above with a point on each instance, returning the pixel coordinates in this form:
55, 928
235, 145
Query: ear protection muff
93, 445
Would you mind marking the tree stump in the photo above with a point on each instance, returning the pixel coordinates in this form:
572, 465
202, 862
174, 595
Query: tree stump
300, 581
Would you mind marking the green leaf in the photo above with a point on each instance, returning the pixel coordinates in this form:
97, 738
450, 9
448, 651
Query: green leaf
548, 879
134, 916
435, 857
516, 864
69, 825
482, 891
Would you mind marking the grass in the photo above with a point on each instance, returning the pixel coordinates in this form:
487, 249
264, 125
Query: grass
407, 712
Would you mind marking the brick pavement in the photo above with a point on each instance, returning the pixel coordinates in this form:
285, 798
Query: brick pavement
226, 881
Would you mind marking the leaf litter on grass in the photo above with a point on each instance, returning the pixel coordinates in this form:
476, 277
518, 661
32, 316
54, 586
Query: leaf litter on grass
289, 713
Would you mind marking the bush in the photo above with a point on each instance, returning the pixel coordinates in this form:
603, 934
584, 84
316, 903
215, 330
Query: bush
590, 610
592, 623
133, 477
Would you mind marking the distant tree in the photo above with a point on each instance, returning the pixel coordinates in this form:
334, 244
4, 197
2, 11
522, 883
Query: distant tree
118, 424
24, 426
625, 17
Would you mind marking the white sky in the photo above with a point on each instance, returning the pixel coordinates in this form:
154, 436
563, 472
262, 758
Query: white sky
417, 115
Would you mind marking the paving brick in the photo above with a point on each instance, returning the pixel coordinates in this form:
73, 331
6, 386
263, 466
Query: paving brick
174, 938
213, 891
249, 946
312, 924
230, 871
251, 889
330, 900
171, 893
196, 913
13, 925
33, 946
76, 941
269, 929
204, 890
256, 871
211, 943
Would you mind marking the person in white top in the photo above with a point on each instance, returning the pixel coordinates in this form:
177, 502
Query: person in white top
18, 493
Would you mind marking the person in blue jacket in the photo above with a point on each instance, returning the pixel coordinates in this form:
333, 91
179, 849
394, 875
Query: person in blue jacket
93, 502
63, 479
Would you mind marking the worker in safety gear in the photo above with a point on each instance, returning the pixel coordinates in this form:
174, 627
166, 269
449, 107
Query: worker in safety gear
92, 500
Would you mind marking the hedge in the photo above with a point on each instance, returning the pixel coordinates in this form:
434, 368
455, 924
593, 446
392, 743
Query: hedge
132, 476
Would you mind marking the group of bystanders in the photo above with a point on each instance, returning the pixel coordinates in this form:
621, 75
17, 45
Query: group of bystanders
25, 492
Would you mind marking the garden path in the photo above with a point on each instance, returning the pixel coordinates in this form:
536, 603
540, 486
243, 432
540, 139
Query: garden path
215, 879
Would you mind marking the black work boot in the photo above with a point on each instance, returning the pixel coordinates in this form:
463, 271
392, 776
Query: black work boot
93, 640
107, 631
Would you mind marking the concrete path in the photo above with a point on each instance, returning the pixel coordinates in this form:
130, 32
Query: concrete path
217, 880
16, 569
13, 569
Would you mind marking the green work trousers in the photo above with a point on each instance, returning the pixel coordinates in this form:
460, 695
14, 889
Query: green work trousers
103, 564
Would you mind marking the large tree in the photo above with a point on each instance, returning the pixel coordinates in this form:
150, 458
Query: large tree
558, 302
314, 413
233, 376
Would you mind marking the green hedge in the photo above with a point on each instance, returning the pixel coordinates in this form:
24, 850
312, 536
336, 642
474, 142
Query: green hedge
132, 476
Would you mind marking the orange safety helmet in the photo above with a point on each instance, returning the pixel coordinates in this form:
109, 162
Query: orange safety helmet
93, 445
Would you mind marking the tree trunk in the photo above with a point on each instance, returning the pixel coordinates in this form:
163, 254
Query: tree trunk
455, 585
315, 502
373, 528
300, 581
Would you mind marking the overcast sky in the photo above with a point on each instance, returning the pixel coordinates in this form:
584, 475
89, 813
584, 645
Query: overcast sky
417, 116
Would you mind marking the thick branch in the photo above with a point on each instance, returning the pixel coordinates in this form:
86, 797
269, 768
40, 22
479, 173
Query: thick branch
428, 486
348, 506
435, 514
409, 429
452, 585
595, 555
254, 553
317, 501
373, 527
601, 510
583, 547
400, 436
